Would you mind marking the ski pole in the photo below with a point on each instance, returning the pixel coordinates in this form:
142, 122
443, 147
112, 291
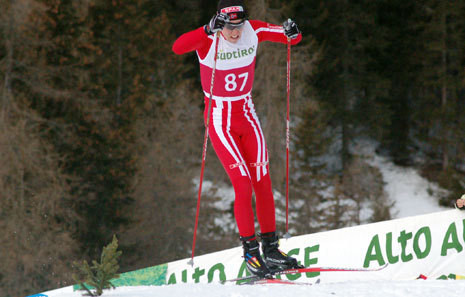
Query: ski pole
204, 152
287, 235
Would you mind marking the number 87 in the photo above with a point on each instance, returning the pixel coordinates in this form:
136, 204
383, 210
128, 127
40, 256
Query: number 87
231, 84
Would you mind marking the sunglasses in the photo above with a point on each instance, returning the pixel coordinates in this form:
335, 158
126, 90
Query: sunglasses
232, 26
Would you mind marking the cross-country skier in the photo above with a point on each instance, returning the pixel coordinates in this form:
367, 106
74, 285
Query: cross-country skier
235, 131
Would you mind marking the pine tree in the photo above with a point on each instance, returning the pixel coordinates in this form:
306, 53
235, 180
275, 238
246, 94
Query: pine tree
99, 275
442, 77
438, 112
92, 112
312, 141
347, 80
350, 88
169, 127
396, 65
34, 190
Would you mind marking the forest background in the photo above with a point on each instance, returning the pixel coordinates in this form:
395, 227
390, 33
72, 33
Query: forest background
101, 123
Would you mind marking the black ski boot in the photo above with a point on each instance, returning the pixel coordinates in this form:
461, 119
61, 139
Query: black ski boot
276, 259
253, 259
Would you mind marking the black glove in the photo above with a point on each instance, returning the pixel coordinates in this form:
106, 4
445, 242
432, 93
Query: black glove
290, 29
216, 23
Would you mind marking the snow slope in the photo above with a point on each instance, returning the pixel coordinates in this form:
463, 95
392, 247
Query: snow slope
413, 194
416, 288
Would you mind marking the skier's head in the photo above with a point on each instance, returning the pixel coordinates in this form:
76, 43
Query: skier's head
235, 9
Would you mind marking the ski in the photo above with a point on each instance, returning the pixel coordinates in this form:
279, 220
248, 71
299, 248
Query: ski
327, 269
265, 281
252, 278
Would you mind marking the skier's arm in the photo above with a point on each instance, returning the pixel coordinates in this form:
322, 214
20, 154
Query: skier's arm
274, 33
196, 40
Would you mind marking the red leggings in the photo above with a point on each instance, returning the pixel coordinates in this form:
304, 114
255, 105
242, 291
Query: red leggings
238, 140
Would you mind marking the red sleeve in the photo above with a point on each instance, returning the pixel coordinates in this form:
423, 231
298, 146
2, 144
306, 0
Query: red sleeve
196, 40
274, 33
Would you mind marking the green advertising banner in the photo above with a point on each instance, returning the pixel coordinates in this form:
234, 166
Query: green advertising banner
151, 276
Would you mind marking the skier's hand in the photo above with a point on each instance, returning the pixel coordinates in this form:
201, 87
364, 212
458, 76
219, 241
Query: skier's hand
290, 29
460, 203
216, 23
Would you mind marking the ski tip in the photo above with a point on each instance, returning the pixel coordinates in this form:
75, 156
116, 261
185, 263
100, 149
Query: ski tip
381, 267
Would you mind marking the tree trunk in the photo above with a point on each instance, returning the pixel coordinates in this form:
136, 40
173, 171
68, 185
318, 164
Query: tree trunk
9, 44
445, 132
345, 154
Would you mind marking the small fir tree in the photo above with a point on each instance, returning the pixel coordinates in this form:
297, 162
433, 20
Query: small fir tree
98, 275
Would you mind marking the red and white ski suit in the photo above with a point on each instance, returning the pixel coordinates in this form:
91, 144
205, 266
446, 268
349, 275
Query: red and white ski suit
234, 128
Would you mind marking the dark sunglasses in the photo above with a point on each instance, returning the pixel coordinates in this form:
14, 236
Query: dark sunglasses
232, 26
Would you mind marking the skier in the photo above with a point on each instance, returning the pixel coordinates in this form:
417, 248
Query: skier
235, 131
460, 203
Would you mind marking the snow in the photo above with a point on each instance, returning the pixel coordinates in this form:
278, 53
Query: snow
413, 194
420, 288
